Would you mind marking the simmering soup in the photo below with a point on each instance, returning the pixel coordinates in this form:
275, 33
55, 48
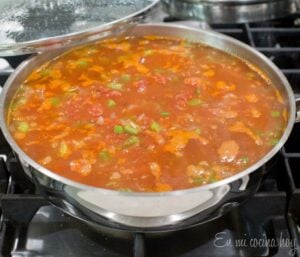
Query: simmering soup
147, 114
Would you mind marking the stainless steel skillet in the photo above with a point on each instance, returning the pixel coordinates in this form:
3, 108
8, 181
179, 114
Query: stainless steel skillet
151, 210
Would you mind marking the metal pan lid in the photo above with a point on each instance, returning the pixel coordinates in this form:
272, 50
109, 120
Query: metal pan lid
28, 26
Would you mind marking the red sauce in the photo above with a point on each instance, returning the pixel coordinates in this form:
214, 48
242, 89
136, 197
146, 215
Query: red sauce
147, 114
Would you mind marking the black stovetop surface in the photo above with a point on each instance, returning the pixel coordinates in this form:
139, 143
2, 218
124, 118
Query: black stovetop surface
267, 225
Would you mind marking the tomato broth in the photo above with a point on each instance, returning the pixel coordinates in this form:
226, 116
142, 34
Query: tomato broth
147, 114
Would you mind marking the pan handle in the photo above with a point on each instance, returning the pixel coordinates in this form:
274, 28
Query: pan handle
297, 110
191, 24
5, 67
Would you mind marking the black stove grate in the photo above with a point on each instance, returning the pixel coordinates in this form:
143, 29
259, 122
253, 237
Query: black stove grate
279, 40
29, 226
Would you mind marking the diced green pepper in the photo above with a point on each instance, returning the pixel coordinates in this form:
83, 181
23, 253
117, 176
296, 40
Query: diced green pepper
112, 184
111, 103
83, 64
165, 114
198, 131
23, 127
198, 181
104, 155
131, 141
115, 86
55, 101
244, 159
125, 77
148, 52
274, 141
131, 129
195, 102
213, 179
118, 129
275, 114
155, 126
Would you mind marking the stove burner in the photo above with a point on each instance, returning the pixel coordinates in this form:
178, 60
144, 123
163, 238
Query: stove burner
35, 228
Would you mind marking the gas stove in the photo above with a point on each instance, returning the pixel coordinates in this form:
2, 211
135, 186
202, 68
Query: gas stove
266, 225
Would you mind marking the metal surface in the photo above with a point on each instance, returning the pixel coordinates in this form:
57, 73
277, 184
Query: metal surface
28, 26
230, 11
148, 210
298, 110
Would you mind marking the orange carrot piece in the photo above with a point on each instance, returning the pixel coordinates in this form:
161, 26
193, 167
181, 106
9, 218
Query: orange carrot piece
252, 98
162, 187
179, 140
